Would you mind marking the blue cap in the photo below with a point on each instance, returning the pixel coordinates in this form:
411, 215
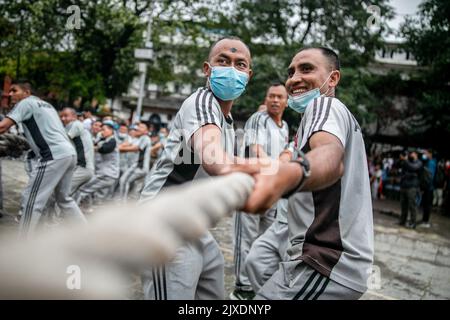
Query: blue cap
111, 124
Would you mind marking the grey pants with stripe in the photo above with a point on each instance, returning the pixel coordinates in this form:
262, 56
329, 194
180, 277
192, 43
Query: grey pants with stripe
266, 254
247, 228
128, 178
81, 176
96, 184
295, 280
47, 178
196, 273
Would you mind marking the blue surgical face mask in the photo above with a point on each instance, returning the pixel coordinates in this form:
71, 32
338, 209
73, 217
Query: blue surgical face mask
300, 102
227, 83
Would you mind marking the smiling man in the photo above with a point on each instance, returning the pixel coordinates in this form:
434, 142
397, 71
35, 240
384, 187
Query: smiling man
330, 210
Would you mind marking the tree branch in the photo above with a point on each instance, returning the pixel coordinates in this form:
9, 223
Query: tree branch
139, 11
308, 27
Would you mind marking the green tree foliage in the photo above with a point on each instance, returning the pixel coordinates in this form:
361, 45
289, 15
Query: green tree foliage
428, 37
274, 31
95, 60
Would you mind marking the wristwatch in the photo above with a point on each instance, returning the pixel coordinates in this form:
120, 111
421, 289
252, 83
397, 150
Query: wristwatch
304, 163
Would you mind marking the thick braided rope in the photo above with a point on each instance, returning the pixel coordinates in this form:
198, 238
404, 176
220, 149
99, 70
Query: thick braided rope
116, 240
12, 145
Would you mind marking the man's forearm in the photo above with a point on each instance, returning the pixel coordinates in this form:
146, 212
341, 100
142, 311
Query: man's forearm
224, 164
128, 149
217, 166
3, 128
219, 162
156, 147
256, 150
289, 176
215, 160
5, 124
326, 166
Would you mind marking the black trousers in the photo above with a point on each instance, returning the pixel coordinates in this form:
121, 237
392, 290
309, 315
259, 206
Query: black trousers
427, 203
408, 204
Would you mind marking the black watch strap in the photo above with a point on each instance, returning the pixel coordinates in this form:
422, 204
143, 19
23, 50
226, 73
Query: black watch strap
304, 163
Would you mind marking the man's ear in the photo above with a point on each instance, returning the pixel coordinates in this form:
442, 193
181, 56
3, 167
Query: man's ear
206, 69
250, 74
26, 92
334, 79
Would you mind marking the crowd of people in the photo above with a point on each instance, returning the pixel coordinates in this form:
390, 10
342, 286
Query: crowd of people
416, 178
112, 157
124, 154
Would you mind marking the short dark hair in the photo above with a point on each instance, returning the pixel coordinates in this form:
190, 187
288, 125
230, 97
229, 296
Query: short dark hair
329, 54
276, 84
25, 84
226, 38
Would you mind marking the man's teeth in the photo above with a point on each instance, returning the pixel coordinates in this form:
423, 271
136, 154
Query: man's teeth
302, 90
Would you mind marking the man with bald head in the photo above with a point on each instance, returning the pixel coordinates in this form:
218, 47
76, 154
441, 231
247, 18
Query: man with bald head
82, 140
200, 144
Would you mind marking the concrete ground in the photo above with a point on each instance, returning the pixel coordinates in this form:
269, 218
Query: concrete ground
409, 264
